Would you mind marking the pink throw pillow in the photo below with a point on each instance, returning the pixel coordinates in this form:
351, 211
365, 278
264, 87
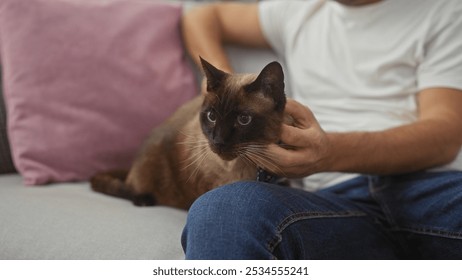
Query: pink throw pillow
87, 80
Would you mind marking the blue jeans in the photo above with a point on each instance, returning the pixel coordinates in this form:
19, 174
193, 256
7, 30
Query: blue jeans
411, 216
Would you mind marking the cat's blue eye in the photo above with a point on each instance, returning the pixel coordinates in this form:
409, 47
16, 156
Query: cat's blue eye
211, 117
244, 119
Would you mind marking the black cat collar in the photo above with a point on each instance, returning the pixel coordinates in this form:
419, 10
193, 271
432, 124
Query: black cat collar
266, 177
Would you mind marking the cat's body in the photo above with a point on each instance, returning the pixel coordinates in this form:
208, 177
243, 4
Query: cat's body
215, 139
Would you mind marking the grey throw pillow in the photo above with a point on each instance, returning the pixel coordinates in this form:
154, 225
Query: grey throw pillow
6, 163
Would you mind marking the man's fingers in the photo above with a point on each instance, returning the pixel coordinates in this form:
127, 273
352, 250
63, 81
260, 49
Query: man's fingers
283, 161
292, 136
303, 117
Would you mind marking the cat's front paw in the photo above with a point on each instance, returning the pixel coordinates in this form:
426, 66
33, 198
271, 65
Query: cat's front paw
144, 200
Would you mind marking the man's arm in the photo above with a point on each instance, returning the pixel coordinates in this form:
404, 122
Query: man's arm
434, 139
207, 28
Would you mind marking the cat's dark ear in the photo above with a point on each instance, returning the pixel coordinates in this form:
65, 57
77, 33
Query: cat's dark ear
270, 82
214, 76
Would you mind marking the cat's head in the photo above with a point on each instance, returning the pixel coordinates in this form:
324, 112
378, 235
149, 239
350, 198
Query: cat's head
242, 112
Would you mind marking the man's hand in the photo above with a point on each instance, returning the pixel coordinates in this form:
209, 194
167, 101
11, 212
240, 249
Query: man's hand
306, 147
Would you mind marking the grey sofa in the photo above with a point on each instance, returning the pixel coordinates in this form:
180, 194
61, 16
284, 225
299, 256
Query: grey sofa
70, 221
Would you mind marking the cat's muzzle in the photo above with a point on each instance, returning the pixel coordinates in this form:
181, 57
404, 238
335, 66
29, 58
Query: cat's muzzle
223, 151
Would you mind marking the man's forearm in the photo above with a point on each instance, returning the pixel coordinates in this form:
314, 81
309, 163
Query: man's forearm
434, 140
202, 36
208, 27
403, 149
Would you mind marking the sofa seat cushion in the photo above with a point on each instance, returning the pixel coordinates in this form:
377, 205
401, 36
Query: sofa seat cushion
69, 221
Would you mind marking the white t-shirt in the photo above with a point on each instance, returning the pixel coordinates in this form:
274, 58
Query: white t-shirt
360, 68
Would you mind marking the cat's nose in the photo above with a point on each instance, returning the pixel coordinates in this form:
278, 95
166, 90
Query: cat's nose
218, 140
220, 145
223, 150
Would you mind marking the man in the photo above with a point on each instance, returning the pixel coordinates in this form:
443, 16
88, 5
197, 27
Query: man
383, 83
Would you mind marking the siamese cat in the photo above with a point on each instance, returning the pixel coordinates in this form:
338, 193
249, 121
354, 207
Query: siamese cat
215, 139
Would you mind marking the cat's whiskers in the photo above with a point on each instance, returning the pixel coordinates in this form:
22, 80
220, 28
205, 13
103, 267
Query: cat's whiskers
195, 155
190, 137
191, 145
246, 159
192, 142
256, 153
198, 151
186, 134
201, 156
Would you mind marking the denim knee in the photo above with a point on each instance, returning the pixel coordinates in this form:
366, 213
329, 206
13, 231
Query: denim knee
233, 214
238, 198
237, 202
